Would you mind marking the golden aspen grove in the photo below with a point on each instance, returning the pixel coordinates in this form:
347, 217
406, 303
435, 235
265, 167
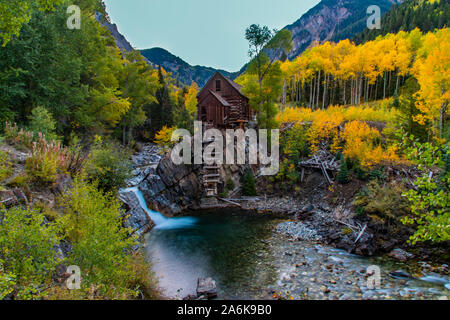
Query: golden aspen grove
356, 101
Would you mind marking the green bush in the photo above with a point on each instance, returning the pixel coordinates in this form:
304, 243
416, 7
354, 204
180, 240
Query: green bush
223, 194
230, 185
343, 176
384, 201
46, 161
102, 248
27, 252
18, 137
377, 174
429, 200
109, 165
18, 181
42, 122
249, 184
5, 166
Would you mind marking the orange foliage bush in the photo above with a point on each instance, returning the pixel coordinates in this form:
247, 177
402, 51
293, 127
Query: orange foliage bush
364, 143
358, 140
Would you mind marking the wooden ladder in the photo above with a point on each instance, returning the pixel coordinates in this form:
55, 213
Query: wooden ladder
211, 177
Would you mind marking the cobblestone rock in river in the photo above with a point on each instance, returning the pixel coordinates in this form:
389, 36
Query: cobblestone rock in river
401, 255
206, 287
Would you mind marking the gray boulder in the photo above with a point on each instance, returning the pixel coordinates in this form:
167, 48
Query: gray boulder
206, 287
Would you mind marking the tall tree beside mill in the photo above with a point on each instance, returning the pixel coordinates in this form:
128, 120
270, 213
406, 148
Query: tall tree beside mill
265, 46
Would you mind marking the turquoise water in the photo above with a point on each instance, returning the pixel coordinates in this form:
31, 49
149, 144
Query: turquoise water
249, 260
226, 246
161, 222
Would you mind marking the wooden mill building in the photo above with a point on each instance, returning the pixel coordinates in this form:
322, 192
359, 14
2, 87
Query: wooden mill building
222, 105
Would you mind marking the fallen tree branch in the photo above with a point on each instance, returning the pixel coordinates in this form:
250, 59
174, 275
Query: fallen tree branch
361, 233
231, 202
354, 229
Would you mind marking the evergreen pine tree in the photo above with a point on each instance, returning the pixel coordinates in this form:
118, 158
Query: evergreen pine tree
343, 175
160, 112
249, 184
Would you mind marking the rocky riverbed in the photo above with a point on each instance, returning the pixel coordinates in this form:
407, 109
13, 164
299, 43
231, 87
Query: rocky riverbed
309, 270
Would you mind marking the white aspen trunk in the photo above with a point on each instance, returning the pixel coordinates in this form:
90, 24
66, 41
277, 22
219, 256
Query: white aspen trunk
345, 98
318, 88
325, 85
397, 84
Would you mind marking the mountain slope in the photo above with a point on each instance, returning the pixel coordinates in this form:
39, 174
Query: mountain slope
181, 70
411, 14
332, 20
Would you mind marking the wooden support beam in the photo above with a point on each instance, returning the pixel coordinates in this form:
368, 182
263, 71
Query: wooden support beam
231, 202
325, 173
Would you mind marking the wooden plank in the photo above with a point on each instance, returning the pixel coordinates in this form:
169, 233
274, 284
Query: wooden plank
211, 176
212, 181
325, 173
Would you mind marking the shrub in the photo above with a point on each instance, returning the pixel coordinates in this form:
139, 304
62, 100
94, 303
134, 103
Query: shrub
249, 184
429, 201
28, 254
5, 165
109, 165
363, 143
379, 111
46, 160
18, 181
18, 137
384, 201
41, 121
77, 155
343, 176
230, 184
163, 138
101, 246
288, 173
294, 142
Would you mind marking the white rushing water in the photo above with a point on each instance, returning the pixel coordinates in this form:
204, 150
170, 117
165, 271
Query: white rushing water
162, 222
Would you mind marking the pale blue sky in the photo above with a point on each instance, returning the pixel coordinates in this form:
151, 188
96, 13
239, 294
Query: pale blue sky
201, 32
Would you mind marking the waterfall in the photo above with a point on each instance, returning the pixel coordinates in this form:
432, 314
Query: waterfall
162, 222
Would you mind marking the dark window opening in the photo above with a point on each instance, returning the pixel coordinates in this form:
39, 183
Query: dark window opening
218, 85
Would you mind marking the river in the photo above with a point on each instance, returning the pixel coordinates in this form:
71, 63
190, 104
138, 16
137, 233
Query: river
248, 259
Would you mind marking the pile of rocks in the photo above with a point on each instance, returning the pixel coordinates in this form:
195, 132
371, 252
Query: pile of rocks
298, 231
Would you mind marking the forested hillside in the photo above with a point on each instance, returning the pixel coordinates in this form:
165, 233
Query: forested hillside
423, 14
332, 20
183, 72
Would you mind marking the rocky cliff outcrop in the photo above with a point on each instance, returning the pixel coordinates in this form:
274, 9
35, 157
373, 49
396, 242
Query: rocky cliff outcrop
172, 188
332, 20
168, 188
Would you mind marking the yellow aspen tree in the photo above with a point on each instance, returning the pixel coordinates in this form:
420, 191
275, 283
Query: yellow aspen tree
433, 75
191, 99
